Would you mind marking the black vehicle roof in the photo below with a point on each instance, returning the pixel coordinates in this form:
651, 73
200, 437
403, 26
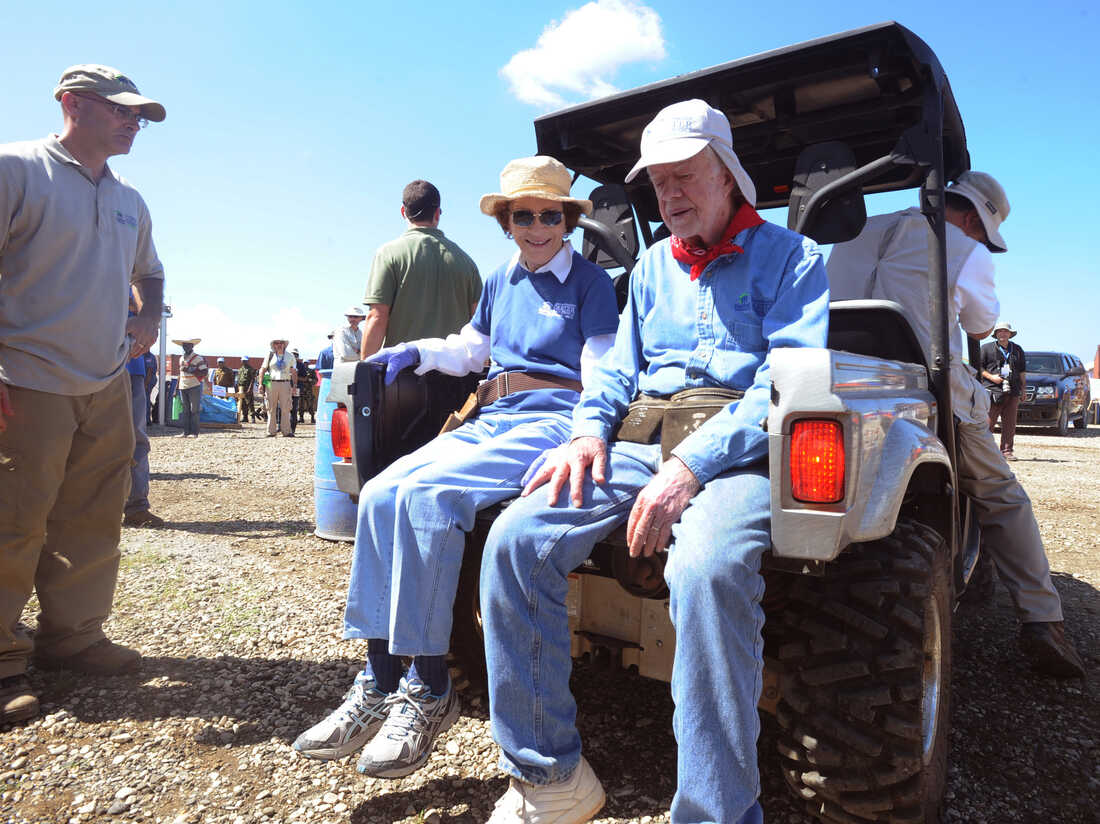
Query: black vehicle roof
866, 87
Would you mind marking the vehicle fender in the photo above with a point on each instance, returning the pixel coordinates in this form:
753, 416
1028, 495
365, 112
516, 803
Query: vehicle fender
908, 446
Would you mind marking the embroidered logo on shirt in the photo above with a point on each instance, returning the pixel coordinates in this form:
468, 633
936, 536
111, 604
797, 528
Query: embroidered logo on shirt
126, 220
743, 301
558, 310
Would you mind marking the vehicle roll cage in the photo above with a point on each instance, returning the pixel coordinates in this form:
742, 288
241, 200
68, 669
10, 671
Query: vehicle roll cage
879, 89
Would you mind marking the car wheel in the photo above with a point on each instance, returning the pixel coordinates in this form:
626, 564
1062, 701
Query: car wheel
866, 658
1063, 422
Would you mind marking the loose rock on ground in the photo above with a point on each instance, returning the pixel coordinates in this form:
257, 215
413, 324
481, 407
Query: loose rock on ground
237, 608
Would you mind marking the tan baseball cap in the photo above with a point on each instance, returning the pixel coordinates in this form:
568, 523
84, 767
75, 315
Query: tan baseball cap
110, 84
990, 202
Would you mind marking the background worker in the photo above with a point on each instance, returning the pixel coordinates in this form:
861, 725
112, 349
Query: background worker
246, 399
421, 284
889, 260
348, 339
280, 370
1004, 375
192, 371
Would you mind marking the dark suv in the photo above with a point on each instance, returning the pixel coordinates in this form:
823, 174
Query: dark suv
1057, 392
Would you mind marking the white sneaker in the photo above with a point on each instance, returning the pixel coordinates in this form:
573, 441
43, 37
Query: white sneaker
404, 743
573, 801
349, 726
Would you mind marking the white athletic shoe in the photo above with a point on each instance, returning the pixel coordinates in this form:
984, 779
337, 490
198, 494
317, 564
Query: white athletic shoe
349, 726
404, 743
573, 801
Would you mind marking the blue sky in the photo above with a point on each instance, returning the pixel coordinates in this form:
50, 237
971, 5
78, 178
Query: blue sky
292, 129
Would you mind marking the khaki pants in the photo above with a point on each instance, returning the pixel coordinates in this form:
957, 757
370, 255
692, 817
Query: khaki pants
278, 397
64, 478
1009, 531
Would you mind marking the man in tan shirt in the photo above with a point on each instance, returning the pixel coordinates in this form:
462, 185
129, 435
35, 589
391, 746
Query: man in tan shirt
74, 238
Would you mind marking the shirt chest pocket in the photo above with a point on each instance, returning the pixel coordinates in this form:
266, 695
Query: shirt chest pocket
745, 334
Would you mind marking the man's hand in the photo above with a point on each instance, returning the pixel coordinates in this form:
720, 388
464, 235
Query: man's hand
6, 409
570, 462
660, 504
144, 331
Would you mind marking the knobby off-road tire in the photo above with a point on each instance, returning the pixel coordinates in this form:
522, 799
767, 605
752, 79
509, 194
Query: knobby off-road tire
866, 654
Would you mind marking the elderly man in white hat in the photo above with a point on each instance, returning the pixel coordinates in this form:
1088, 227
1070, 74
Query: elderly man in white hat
705, 309
1004, 375
75, 237
281, 368
348, 339
889, 260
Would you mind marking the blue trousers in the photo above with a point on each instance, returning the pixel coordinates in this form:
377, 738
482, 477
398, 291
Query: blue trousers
138, 501
413, 518
715, 590
192, 403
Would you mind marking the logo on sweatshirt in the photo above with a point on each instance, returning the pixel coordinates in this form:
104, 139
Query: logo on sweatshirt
125, 220
558, 310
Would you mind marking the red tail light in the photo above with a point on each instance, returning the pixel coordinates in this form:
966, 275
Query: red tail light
341, 434
817, 461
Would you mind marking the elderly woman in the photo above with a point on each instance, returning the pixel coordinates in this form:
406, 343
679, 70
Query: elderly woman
543, 319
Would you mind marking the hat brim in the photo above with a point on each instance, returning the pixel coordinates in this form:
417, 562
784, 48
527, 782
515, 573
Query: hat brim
490, 202
1011, 332
280, 340
676, 151
182, 341
996, 241
150, 109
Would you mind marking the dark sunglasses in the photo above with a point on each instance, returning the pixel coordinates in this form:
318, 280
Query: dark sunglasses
547, 217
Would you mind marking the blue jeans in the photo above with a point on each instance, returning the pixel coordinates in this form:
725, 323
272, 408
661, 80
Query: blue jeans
138, 501
192, 403
413, 519
715, 590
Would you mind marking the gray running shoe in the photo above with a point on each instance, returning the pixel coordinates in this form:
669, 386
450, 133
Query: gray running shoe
405, 741
349, 726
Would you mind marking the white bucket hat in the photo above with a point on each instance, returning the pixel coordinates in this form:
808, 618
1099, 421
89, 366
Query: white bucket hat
355, 312
990, 202
1002, 324
684, 129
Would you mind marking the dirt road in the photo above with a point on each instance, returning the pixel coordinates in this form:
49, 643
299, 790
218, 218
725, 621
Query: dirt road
237, 608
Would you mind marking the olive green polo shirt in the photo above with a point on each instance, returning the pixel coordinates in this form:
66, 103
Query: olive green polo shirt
69, 250
428, 282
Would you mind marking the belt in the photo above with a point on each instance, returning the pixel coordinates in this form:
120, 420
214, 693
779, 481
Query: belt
283, 380
508, 383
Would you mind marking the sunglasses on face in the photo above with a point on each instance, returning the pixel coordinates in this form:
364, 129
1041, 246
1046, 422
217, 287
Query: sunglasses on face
547, 217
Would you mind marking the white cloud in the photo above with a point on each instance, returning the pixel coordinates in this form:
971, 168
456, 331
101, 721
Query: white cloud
244, 333
576, 56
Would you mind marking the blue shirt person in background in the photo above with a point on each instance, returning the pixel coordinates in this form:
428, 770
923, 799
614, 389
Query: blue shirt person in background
136, 511
542, 321
706, 308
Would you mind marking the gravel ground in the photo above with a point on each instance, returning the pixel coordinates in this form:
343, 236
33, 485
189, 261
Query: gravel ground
237, 608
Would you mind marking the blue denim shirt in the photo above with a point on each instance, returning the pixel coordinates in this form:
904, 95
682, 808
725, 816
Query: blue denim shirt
718, 330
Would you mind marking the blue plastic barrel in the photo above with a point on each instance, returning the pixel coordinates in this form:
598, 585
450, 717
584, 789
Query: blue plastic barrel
335, 510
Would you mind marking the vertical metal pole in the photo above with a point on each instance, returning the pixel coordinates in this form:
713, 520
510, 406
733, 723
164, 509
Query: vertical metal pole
162, 367
939, 299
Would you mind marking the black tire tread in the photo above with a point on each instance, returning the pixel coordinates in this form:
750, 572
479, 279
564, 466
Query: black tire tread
852, 650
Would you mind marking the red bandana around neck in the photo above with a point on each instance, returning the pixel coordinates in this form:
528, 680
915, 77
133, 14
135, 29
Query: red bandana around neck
697, 257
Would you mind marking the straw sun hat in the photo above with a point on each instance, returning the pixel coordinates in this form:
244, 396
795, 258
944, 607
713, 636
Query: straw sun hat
537, 176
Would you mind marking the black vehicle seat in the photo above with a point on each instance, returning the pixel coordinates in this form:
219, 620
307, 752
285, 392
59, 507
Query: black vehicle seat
840, 218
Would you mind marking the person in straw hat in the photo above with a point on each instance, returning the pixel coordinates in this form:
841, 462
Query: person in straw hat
75, 238
543, 319
193, 370
706, 307
1004, 375
889, 260
281, 368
